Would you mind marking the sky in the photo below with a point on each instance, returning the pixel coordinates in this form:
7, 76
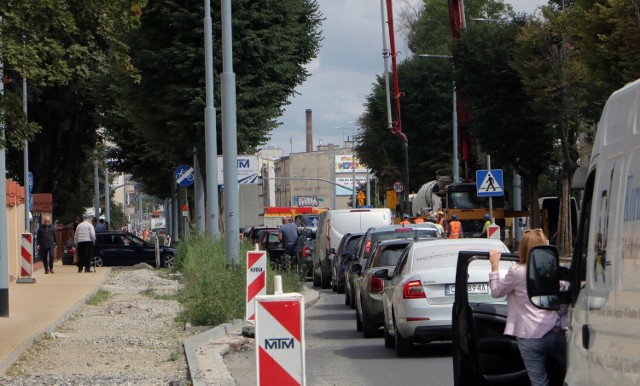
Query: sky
344, 72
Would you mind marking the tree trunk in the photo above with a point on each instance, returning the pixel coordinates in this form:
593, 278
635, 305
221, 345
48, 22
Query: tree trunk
563, 238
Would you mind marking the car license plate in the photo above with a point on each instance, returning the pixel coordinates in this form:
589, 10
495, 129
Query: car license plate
472, 288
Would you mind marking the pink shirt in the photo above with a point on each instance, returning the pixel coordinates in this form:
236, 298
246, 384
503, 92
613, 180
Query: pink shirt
524, 320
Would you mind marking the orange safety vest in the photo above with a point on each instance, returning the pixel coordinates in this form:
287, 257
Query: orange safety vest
456, 229
405, 222
418, 220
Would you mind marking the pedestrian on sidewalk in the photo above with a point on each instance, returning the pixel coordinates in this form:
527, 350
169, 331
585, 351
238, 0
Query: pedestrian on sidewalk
101, 227
288, 234
84, 238
46, 237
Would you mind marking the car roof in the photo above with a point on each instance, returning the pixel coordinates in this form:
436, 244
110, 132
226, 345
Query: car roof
472, 243
384, 228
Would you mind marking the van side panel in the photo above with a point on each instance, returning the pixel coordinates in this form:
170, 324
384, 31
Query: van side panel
608, 306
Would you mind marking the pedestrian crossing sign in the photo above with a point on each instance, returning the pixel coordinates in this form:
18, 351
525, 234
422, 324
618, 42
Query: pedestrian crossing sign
489, 183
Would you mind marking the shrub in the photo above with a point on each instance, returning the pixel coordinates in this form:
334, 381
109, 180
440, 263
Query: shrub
214, 293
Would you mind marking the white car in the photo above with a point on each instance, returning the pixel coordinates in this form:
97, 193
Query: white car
418, 300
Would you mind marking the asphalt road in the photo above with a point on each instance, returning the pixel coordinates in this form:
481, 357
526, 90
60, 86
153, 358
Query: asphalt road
336, 354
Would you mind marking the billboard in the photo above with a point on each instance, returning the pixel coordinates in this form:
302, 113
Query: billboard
248, 169
343, 164
348, 182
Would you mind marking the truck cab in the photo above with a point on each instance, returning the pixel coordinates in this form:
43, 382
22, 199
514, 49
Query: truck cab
462, 200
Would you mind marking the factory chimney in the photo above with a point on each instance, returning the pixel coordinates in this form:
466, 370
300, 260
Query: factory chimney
309, 131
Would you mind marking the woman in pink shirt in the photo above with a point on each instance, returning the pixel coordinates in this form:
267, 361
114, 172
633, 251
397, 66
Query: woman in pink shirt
538, 331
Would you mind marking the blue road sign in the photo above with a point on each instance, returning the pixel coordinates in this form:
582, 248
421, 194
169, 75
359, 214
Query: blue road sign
184, 175
489, 183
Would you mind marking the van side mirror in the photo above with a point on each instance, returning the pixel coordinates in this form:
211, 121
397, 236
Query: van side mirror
355, 269
543, 277
579, 180
331, 251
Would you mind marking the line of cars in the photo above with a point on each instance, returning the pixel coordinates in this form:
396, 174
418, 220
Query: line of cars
398, 278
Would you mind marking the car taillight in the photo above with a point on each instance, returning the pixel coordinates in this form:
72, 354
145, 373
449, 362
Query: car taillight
413, 290
306, 252
376, 285
367, 246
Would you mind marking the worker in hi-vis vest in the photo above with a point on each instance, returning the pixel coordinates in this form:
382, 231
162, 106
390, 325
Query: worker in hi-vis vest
455, 228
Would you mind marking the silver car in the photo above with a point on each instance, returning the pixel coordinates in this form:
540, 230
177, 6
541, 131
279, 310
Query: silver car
418, 300
368, 289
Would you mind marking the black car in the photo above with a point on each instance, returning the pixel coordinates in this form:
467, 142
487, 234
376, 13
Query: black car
342, 259
304, 250
253, 236
123, 248
269, 242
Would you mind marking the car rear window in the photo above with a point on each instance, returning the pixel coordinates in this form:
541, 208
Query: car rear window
404, 233
351, 244
390, 257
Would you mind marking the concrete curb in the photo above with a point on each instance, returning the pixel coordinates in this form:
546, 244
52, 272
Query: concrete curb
205, 351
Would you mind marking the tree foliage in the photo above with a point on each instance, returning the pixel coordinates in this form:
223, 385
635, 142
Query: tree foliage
66, 50
164, 97
426, 121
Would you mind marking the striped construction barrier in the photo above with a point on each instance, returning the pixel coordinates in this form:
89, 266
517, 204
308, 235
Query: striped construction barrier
256, 280
280, 347
26, 259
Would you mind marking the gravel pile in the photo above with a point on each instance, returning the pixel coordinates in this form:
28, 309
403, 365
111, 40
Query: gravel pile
130, 339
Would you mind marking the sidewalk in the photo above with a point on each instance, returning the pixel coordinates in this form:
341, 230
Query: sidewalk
36, 308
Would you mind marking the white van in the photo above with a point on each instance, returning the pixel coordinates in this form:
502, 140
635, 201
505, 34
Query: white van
603, 340
334, 224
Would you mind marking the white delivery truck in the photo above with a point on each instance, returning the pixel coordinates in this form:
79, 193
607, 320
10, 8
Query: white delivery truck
332, 225
603, 337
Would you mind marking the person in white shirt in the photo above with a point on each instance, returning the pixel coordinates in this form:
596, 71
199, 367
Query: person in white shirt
84, 238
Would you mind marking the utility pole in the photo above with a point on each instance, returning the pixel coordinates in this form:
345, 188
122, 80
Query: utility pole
229, 143
27, 193
211, 141
4, 253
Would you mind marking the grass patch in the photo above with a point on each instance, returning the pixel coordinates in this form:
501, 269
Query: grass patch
151, 293
99, 297
213, 292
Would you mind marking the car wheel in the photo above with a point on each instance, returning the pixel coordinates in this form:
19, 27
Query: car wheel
352, 298
316, 280
166, 261
326, 283
340, 288
96, 261
334, 281
369, 327
358, 322
347, 299
389, 340
403, 345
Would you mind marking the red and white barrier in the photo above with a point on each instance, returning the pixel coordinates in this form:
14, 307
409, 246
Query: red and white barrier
256, 280
493, 232
280, 347
26, 259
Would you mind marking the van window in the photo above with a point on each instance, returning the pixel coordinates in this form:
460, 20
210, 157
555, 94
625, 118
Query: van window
630, 262
605, 209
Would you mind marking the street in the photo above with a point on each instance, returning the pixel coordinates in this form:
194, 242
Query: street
336, 354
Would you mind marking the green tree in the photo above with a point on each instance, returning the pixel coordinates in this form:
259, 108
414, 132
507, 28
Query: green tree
164, 97
66, 50
555, 81
426, 120
504, 122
